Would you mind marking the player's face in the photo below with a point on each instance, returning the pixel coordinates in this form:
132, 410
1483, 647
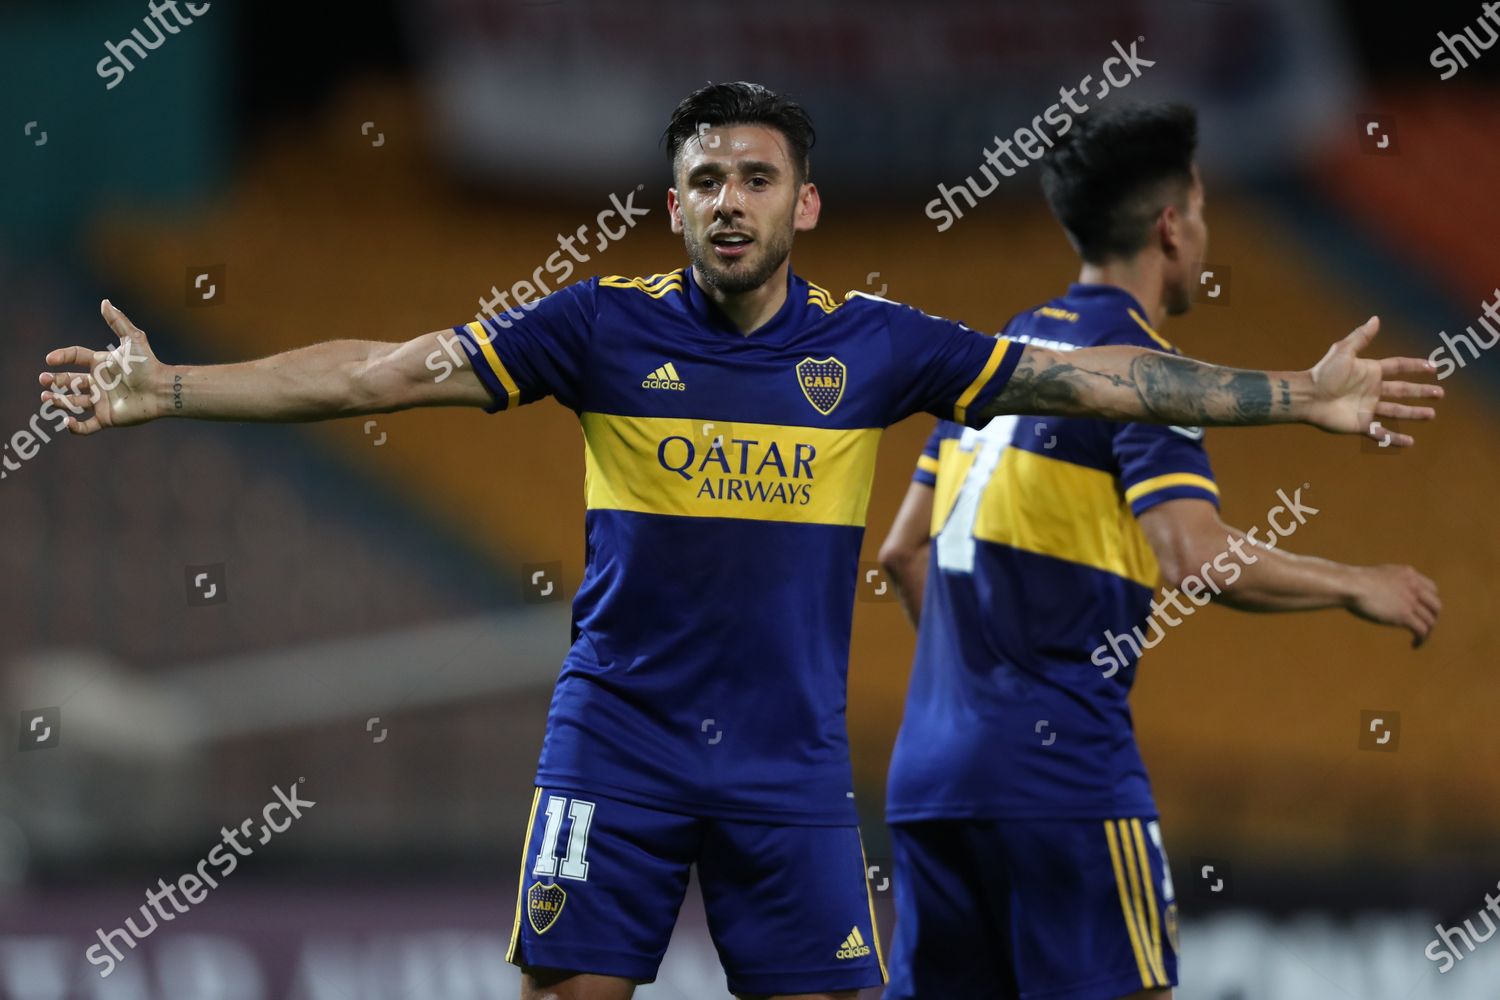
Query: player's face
1192, 248
737, 204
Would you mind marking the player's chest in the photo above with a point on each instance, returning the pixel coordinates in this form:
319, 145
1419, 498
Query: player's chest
816, 375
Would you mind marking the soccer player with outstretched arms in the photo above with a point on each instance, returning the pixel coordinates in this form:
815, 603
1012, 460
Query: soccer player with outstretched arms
731, 411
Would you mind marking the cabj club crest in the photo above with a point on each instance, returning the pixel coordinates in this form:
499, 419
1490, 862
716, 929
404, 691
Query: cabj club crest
544, 904
822, 382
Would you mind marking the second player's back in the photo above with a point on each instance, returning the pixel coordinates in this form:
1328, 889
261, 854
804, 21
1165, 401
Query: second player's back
1036, 555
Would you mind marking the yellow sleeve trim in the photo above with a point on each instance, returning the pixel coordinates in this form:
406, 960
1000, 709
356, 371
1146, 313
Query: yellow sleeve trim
961, 409
1165, 482
1140, 321
926, 463
482, 338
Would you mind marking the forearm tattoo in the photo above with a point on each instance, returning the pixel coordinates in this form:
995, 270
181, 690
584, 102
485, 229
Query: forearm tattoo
1169, 386
1163, 387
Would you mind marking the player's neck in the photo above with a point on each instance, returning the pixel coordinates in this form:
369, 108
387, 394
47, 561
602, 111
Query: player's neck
1138, 278
749, 311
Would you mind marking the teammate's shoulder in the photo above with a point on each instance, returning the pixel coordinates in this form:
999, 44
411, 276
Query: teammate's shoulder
654, 286
1056, 310
947, 429
1132, 328
1089, 315
1054, 325
1062, 325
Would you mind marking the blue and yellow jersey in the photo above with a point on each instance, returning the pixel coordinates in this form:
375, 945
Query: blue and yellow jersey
1013, 711
726, 483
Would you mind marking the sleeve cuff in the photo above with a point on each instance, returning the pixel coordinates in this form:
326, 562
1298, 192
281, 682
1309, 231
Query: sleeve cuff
1147, 493
927, 468
992, 378
480, 347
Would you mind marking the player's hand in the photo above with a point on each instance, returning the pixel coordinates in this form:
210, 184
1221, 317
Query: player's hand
1400, 596
1351, 394
117, 385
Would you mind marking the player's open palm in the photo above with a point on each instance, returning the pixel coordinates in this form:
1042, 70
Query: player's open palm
1353, 394
1399, 596
115, 385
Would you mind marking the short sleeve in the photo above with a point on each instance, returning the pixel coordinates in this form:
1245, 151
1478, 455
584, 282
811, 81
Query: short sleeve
927, 462
535, 350
949, 370
1159, 463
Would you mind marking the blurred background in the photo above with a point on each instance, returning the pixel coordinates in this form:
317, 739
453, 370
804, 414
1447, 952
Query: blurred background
191, 614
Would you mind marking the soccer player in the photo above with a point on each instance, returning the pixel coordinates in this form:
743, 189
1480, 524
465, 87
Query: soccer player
1029, 862
731, 411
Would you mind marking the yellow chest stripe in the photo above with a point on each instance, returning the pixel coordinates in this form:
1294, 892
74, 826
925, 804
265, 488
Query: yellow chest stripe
759, 472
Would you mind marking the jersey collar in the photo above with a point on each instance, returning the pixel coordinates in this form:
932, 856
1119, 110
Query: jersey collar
1081, 295
778, 328
1103, 293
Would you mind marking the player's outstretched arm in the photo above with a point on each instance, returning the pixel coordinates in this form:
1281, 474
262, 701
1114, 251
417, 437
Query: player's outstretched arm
1191, 541
1343, 393
341, 378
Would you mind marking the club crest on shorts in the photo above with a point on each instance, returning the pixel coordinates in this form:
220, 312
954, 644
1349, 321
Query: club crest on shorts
544, 903
822, 382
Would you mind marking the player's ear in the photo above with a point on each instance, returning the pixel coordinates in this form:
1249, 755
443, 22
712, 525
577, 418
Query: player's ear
674, 211
809, 205
1169, 230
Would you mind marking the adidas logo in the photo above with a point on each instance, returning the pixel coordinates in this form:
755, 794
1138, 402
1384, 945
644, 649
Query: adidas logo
665, 377
853, 947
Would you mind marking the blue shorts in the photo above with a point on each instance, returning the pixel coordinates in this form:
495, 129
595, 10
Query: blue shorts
1032, 909
789, 907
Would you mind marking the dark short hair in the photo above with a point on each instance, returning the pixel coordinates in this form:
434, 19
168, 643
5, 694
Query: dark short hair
1109, 177
740, 103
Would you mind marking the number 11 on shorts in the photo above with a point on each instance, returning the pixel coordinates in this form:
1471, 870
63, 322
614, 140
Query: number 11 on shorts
574, 864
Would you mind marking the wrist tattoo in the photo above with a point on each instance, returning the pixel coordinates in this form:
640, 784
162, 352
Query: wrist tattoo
176, 392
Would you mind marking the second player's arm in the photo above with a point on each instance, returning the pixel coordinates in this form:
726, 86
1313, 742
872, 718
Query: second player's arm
1343, 393
903, 554
1190, 540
